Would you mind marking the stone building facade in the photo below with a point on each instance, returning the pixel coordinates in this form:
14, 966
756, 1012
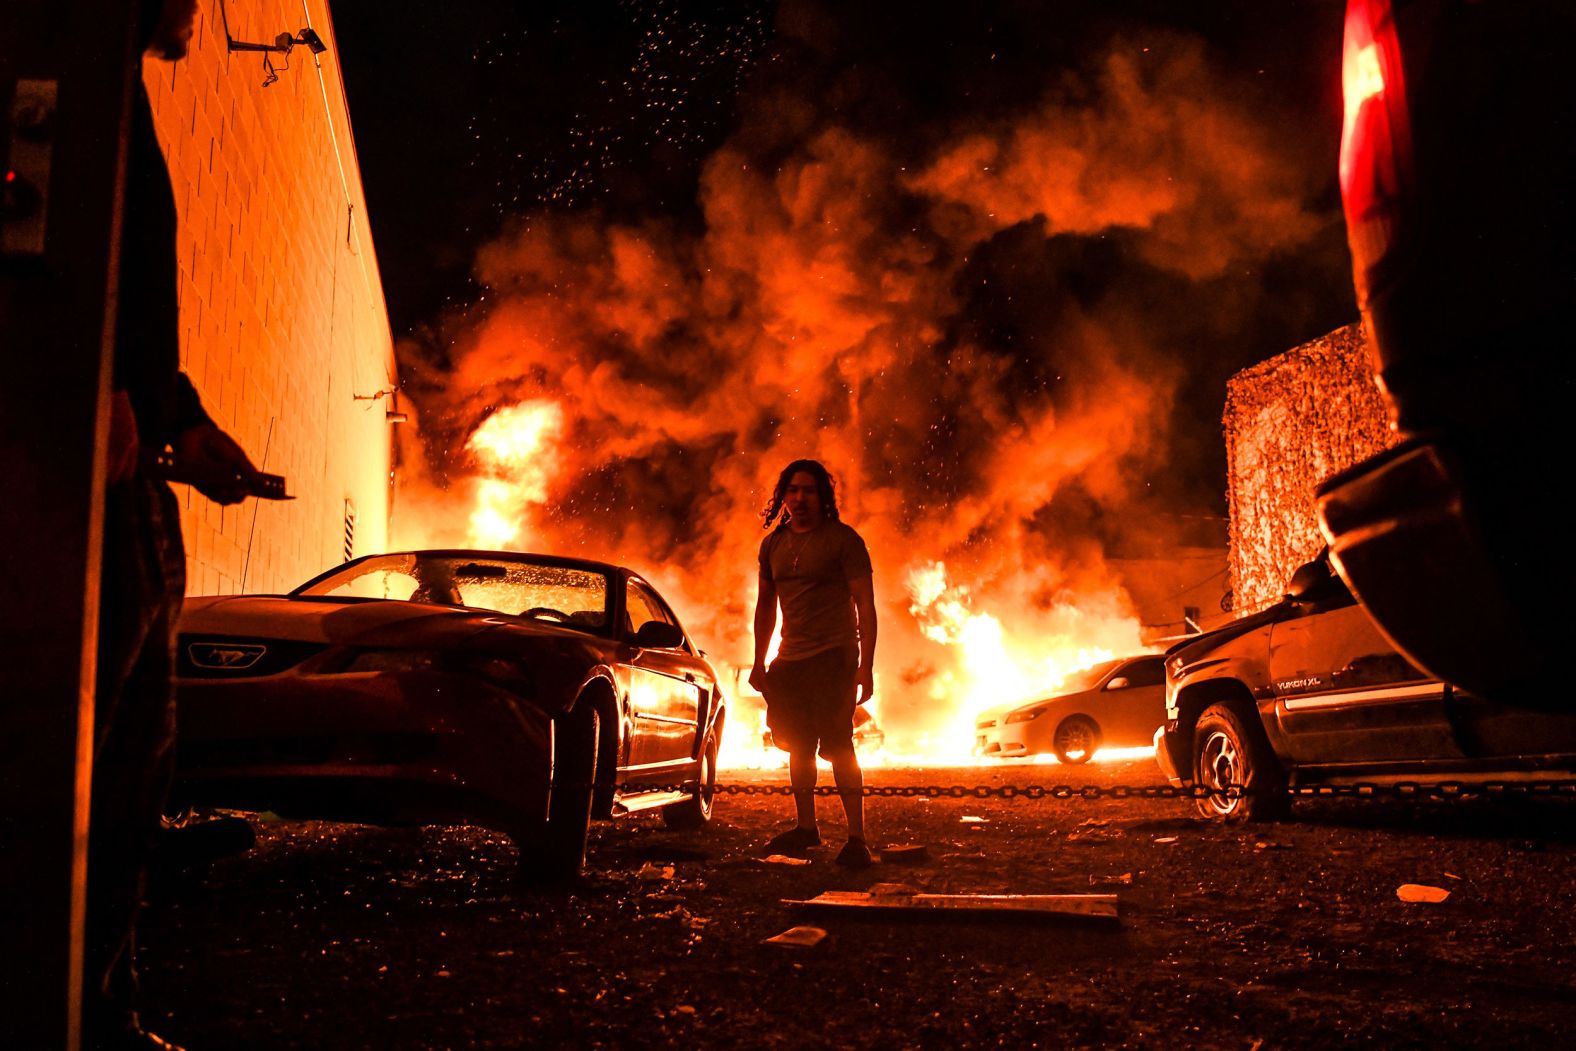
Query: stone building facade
1290, 423
284, 327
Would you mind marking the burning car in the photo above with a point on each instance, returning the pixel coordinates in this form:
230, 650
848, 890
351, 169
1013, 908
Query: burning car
518, 692
1118, 704
1309, 691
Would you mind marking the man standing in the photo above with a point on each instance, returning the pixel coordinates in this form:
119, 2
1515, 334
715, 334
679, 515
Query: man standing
154, 408
818, 569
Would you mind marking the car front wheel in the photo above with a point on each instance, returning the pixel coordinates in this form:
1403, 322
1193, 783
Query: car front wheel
1229, 751
558, 851
1077, 739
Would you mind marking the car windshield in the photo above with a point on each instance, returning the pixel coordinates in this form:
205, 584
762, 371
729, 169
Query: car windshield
1087, 679
568, 594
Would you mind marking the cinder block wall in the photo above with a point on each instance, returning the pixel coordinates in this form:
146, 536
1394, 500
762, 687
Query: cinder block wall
1291, 422
284, 327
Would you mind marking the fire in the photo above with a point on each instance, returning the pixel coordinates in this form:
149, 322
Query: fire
956, 321
995, 666
512, 448
986, 663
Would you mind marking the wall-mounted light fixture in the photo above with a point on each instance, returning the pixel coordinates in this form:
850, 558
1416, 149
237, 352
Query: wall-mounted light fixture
283, 44
391, 414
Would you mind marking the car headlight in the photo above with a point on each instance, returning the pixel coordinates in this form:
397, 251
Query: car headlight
1023, 715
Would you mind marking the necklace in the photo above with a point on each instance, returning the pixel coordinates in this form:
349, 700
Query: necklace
798, 549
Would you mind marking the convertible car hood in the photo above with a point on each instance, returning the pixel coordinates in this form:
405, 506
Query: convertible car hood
380, 623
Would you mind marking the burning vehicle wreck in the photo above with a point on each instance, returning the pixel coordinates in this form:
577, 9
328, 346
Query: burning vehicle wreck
1309, 692
1115, 704
517, 692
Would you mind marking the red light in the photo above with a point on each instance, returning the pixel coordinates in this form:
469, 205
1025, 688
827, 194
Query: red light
1361, 82
10, 175
1375, 144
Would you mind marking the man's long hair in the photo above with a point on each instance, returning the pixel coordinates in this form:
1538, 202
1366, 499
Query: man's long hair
823, 484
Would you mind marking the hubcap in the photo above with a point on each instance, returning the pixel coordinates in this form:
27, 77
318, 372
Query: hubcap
1219, 766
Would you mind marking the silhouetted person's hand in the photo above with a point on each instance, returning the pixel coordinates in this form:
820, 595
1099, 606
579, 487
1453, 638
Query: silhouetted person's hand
218, 467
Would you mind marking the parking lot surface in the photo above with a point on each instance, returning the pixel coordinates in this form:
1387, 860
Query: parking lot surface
1289, 934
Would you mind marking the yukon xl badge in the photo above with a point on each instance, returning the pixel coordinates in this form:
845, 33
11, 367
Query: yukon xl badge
226, 656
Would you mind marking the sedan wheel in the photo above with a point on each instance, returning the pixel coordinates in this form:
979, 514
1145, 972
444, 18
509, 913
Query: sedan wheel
1077, 739
1232, 758
695, 811
559, 851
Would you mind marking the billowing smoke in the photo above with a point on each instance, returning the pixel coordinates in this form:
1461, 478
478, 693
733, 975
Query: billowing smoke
980, 325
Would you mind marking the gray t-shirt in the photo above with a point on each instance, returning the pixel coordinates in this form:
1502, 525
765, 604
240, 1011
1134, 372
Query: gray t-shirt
811, 572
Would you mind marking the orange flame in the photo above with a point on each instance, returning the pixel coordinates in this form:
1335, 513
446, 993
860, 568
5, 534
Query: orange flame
513, 451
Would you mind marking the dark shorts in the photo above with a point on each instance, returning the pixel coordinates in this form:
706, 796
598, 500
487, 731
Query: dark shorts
810, 702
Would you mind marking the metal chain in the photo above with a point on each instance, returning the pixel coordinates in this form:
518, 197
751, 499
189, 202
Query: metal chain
1399, 790
1361, 790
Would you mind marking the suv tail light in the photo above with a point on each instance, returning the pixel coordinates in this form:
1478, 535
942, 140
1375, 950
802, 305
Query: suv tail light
1376, 148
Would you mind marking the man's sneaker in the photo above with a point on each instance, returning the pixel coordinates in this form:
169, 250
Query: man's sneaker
794, 841
854, 855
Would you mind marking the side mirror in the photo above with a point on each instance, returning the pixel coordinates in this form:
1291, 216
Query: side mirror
1311, 580
659, 635
1121, 682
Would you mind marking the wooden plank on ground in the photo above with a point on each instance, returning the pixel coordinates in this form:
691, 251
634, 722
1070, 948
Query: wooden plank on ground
1080, 906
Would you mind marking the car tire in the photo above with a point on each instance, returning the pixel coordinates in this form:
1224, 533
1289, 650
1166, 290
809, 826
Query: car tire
1076, 740
559, 852
1232, 749
695, 812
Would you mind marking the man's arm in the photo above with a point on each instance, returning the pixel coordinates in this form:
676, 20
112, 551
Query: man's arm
864, 592
765, 625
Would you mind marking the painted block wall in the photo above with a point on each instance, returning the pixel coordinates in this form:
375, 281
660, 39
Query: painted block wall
284, 328
1290, 423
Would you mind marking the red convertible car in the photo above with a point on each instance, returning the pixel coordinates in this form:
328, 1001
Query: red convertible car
524, 693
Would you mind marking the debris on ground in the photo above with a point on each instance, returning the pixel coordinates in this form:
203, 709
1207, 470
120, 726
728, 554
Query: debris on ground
903, 853
973, 819
654, 872
1094, 831
798, 937
783, 859
1124, 880
1421, 893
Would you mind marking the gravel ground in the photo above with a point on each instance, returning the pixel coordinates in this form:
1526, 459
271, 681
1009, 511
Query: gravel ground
1281, 935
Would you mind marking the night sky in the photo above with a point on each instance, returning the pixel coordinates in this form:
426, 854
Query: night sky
476, 122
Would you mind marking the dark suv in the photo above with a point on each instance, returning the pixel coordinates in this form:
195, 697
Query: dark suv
1308, 691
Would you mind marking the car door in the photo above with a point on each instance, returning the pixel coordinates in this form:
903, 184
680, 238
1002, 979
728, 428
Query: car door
1343, 695
1134, 700
665, 687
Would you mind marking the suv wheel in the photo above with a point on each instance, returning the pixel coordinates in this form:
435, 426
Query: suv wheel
1229, 750
1077, 739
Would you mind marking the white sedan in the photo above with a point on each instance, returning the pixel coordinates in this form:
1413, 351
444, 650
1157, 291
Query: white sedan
1119, 704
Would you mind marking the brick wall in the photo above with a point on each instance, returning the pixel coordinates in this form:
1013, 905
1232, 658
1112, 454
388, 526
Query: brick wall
1291, 422
284, 327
